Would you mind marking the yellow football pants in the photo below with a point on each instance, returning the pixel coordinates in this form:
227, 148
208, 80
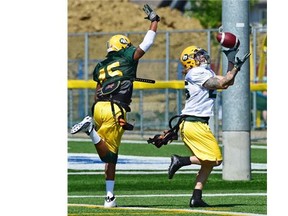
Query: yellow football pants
107, 126
200, 140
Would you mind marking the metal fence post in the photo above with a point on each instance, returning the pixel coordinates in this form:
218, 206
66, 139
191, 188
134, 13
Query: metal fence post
86, 69
167, 62
254, 110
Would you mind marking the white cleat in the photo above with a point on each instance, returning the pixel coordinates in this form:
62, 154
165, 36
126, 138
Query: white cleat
110, 202
86, 125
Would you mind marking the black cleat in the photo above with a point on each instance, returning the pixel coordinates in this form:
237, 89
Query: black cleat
198, 203
174, 166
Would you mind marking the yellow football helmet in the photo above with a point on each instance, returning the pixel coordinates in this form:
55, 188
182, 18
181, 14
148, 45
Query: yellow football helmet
193, 56
118, 42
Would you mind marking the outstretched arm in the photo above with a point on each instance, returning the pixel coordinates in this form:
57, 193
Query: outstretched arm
234, 65
150, 35
222, 82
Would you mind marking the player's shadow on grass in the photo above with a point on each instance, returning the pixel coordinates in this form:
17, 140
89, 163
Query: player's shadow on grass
143, 206
225, 205
165, 205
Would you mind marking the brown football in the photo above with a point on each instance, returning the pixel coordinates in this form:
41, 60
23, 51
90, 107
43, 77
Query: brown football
228, 40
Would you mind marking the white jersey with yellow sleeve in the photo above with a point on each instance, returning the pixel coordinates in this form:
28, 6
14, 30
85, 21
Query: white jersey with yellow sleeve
199, 100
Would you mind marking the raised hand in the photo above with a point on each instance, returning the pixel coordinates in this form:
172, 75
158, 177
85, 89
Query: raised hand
239, 62
151, 15
230, 54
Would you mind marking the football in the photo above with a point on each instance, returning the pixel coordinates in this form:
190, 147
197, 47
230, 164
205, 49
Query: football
228, 40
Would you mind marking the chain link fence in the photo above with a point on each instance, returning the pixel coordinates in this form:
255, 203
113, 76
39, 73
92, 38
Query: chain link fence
151, 109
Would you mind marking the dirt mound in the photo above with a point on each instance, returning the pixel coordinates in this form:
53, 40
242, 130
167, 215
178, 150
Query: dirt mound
120, 15
106, 17
124, 16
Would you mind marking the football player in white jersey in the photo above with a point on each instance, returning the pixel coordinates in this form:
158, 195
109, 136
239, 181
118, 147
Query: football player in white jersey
201, 84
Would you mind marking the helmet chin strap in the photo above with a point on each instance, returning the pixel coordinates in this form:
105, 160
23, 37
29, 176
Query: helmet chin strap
204, 62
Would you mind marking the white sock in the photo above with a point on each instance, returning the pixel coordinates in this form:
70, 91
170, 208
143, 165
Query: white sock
95, 137
110, 188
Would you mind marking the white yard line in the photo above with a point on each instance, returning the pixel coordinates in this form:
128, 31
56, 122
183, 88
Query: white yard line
91, 161
174, 210
171, 195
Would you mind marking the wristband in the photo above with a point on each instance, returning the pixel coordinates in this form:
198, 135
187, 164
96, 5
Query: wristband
148, 40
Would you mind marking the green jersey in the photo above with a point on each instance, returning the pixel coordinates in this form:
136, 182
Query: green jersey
116, 74
117, 66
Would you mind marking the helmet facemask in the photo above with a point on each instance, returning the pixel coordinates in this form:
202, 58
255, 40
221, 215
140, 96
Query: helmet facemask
202, 57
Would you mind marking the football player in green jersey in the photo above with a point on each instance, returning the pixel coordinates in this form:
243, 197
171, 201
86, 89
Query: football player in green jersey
114, 77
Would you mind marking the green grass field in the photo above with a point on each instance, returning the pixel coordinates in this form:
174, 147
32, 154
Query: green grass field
152, 193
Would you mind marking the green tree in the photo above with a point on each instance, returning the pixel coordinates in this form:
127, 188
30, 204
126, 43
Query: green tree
209, 12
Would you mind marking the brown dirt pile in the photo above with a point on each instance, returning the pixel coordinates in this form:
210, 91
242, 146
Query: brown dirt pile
125, 16
120, 15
